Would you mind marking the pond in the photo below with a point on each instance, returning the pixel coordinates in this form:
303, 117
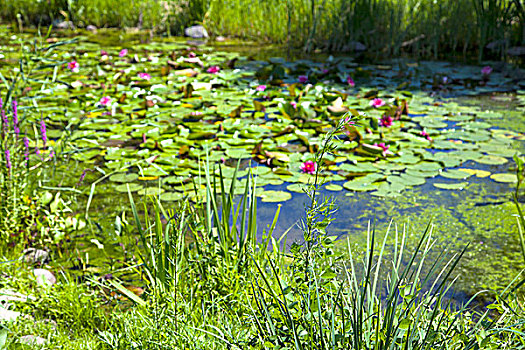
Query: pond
426, 140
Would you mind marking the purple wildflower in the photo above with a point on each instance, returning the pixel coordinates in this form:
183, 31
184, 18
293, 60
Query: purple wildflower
8, 159
26, 147
82, 176
43, 131
15, 118
5, 122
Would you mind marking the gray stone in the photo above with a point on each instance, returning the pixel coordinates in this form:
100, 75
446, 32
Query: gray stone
496, 45
8, 315
354, 46
35, 256
44, 277
196, 32
516, 51
63, 25
32, 340
7, 295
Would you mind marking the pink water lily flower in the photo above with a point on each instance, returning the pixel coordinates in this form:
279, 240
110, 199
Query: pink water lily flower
377, 102
103, 53
123, 53
105, 101
308, 167
383, 146
486, 70
73, 65
303, 79
144, 76
192, 55
213, 69
294, 104
260, 88
350, 81
425, 134
386, 121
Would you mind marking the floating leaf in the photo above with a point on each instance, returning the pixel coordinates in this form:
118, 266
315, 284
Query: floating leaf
508, 178
133, 187
333, 187
451, 186
275, 196
121, 177
477, 172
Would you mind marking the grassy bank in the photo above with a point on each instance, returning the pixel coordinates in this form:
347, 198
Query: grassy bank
419, 27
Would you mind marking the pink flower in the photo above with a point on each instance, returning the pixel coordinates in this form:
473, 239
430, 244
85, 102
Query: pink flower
105, 101
294, 104
350, 81
303, 79
73, 65
260, 88
386, 121
324, 70
192, 55
103, 53
144, 76
308, 167
425, 134
213, 70
383, 146
377, 102
123, 53
486, 70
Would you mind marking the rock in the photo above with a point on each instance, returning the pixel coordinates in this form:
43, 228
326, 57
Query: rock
44, 277
7, 295
32, 340
63, 25
196, 32
496, 45
516, 51
8, 315
35, 256
354, 46
91, 28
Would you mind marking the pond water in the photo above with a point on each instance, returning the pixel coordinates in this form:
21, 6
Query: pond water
437, 145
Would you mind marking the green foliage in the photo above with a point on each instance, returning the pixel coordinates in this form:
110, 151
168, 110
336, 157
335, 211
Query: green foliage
422, 27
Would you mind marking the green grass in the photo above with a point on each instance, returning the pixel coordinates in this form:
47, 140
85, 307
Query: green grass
424, 28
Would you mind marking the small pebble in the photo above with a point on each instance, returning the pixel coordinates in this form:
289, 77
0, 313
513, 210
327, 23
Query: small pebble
44, 277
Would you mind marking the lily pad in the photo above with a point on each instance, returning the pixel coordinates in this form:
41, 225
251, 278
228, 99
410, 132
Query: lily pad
508, 178
275, 196
133, 187
451, 186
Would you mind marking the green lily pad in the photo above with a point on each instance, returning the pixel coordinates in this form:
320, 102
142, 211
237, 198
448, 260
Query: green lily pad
451, 186
123, 178
133, 187
455, 174
508, 178
333, 187
492, 160
275, 196
171, 196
